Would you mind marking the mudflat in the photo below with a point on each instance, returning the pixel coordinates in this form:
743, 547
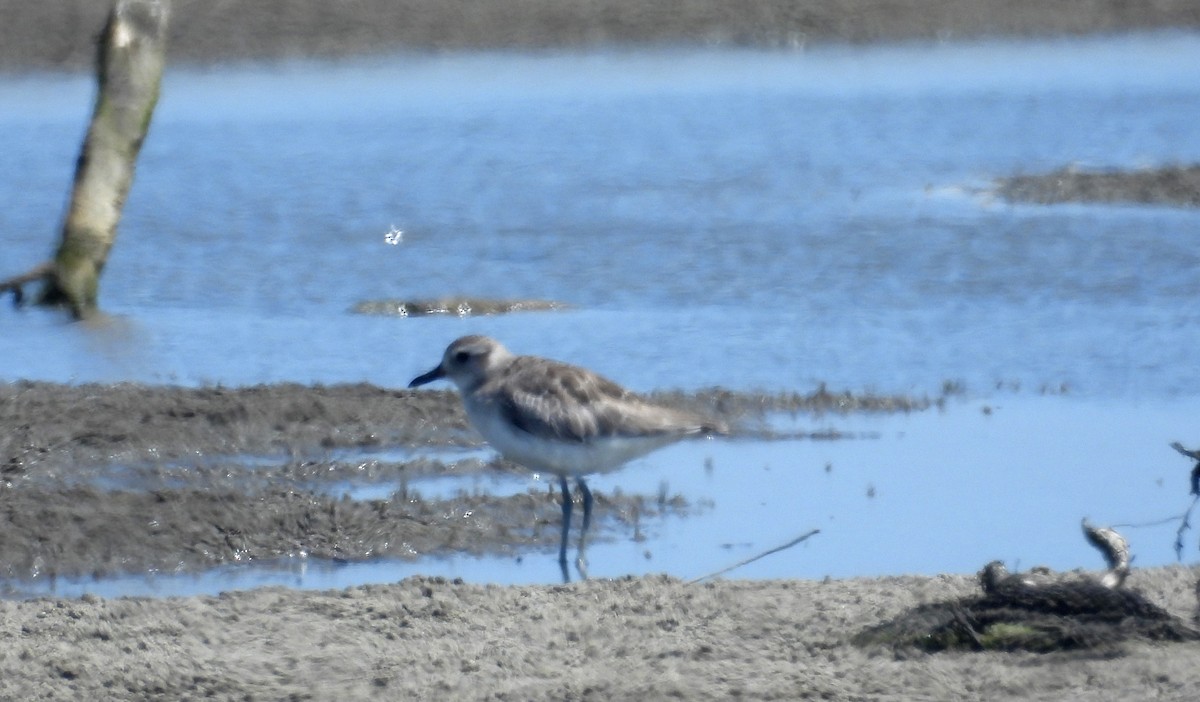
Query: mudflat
127, 478
61, 33
639, 638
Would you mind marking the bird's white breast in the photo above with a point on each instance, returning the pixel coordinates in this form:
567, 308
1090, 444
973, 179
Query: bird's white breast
546, 453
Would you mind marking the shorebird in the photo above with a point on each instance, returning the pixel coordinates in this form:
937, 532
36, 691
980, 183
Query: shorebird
557, 418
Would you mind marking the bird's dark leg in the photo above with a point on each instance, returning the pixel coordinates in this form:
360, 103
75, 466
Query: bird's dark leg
566, 527
581, 561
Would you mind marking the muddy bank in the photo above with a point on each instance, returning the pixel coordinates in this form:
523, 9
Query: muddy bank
128, 478
46, 425
69, 530
638, 638
122, 478
59, 33
1177, 186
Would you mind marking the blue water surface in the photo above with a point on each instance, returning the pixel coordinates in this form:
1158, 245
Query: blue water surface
749, 219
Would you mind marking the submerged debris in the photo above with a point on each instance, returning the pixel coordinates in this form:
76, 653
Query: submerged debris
459, 306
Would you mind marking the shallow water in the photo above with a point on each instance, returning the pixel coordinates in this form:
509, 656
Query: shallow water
937, 491
754, 220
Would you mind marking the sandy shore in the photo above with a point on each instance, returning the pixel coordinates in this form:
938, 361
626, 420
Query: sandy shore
646, 638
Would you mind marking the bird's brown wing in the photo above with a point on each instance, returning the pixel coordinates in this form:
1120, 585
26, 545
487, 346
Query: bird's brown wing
568, 403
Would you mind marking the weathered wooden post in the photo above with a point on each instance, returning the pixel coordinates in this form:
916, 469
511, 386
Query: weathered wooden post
132, 52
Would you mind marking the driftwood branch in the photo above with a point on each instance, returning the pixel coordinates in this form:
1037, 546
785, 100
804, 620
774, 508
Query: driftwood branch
764, 554
1185, 520
1195, 456
16, 284
132, 53
1115, 550
1184, 524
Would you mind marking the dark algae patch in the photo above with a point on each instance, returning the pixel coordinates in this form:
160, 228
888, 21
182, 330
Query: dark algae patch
1038, 612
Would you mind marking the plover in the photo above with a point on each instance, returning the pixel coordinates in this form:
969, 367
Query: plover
558, 418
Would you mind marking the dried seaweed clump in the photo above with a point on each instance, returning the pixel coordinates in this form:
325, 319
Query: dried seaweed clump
1036, 611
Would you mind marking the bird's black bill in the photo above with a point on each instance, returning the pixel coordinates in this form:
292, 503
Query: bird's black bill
435, 374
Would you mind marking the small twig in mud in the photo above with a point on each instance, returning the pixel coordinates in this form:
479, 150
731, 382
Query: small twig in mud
764, 554
1185, 518
962, 623
1184, 525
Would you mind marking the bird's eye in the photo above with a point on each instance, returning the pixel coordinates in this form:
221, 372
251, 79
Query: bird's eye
461, 357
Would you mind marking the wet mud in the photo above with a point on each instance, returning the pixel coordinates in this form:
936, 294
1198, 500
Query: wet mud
1175, 186
127, 478
103, 479
60, 33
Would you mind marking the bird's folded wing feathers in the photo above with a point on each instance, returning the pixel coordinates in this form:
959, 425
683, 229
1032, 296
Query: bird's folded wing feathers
581, 408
